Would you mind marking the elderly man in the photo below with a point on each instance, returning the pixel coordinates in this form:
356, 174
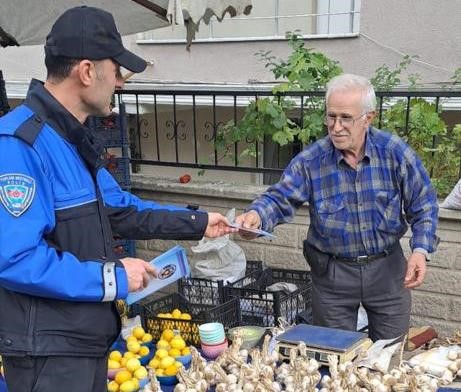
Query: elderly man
59, 211
363, 186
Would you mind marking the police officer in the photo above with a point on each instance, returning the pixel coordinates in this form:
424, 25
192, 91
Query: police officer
60, 209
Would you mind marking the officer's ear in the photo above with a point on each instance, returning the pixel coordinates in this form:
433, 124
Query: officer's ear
86, 72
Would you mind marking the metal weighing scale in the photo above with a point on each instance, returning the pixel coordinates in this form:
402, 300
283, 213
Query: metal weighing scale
321, 342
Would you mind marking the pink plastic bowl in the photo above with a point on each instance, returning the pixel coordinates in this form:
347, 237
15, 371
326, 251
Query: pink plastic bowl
212, 351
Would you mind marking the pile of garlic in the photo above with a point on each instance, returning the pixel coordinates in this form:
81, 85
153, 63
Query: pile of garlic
238, 370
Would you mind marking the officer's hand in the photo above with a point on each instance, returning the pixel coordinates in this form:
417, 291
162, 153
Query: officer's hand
218, 225
249, 220
138, 273
416, 270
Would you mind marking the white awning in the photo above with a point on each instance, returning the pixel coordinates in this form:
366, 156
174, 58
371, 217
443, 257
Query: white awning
27, 22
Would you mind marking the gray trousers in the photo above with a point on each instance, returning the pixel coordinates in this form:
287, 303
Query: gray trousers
339, 287
50, 374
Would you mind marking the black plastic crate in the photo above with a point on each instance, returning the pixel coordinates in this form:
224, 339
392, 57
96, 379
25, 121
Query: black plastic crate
124, 248
120, 169
227, 314
210, 292
259, 306
110, 131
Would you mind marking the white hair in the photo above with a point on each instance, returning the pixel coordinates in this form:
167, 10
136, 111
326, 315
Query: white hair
345, 82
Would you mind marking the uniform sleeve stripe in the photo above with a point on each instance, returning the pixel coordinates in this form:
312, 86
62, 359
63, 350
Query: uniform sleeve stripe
110, 282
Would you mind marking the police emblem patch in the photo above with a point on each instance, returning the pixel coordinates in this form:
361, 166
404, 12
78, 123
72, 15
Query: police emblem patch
16, 192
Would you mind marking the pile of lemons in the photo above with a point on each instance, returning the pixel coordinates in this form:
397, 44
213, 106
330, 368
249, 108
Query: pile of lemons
126, 379
131, 371
181, 320
170, 346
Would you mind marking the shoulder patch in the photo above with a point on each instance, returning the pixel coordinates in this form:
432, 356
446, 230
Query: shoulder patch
16, 192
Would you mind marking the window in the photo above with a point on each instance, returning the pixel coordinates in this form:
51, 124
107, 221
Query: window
271, 19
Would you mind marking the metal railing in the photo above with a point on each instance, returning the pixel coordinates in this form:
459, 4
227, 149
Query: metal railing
178, 128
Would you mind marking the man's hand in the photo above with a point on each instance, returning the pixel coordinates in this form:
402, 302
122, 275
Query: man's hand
416, 270
138, 273
218, 225
249, 220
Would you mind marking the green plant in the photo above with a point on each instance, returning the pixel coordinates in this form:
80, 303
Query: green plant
425, 131
304, 70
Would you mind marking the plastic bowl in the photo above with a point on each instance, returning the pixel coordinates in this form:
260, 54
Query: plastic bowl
251, 335
184, 359
112, 372
213, 351
208, 328
214, 341
167, 380
143, 382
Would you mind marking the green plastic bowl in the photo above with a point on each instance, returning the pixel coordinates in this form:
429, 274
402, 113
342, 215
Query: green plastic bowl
251, 335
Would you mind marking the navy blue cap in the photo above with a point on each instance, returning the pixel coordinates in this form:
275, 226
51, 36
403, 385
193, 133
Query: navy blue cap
90, 33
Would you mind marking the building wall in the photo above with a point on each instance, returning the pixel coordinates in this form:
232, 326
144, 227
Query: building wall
437, 302
388, 29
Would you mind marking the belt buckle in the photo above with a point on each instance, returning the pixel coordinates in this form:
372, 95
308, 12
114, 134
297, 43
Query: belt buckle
362, 259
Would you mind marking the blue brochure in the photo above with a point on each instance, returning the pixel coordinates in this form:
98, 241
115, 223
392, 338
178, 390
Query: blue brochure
171, 266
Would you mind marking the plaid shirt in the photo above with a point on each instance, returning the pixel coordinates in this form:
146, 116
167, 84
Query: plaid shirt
360, 211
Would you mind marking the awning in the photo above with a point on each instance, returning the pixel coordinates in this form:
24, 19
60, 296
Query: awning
27, 22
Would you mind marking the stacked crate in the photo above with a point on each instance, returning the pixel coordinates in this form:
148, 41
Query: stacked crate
112, 133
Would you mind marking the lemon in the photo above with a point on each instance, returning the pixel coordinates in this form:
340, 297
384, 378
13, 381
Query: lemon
185, 351
147, 338
185, 316
159, 372
176, 313
167, 361
133, 347
115, 355
178, 364
112, 386
163, 344
143, 351
131, 338
178, 342
167, 335
111, 364
133, 364
161, 353
168, 315
171, 370
138, 332
140, 373
122, 376
127, 386
154, 362
123, 362
135, 382
128, 355
161, 315
174, 352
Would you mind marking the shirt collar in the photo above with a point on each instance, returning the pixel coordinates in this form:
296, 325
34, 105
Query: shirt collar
339, 156
64, 123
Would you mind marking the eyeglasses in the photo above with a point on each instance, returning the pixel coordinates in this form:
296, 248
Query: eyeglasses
343, 121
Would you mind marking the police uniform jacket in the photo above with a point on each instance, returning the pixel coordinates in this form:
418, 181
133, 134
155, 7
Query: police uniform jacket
60, 209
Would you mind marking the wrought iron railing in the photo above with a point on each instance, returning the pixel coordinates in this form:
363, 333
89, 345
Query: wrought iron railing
179, 127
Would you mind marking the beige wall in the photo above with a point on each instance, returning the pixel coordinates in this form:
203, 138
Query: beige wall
437, 302
388, 29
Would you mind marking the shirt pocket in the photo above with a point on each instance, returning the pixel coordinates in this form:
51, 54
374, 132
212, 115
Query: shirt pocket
332, 217
388, 212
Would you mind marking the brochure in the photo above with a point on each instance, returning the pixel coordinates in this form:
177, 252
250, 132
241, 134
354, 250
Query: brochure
256, 231
171, 266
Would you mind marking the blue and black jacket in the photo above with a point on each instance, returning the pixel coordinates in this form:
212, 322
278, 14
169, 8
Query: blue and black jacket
60, 209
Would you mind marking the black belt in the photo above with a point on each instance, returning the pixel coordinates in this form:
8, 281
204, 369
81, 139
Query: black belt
362, 259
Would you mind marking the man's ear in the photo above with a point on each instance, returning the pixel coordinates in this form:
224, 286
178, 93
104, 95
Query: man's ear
370, 117
85, 72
